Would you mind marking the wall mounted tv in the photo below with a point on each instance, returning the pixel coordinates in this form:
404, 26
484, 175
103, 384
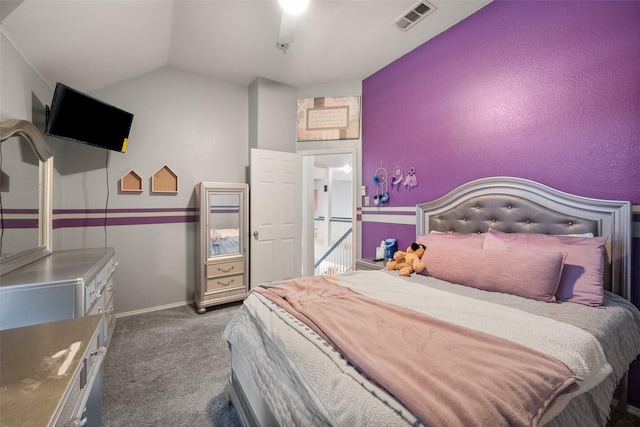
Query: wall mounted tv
82, 118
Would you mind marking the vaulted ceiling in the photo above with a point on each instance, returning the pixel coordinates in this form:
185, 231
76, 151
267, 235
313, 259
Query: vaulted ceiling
92, 44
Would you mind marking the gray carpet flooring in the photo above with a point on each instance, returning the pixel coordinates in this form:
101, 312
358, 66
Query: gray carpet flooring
169, 368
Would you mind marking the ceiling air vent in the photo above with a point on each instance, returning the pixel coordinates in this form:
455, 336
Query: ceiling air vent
414, 15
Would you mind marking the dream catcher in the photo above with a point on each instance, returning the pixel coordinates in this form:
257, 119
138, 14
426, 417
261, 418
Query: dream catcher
411, 181
396, 179
381, 180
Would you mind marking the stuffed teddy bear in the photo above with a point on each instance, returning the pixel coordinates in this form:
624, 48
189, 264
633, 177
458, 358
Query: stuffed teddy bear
406, 262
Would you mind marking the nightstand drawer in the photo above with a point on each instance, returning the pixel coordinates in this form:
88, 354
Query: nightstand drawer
224, 268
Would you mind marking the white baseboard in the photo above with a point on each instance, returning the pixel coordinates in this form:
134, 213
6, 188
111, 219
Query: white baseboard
151, 309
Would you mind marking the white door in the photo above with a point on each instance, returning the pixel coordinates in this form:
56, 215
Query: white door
276, 216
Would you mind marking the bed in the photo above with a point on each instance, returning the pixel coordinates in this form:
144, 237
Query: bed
474, 346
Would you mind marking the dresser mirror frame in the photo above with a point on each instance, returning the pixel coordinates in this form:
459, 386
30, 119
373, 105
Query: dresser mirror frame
30, 135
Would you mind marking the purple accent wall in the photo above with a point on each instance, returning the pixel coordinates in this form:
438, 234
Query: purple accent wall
543, 90
548, 91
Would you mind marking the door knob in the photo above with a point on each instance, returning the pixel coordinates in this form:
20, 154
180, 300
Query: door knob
256, 234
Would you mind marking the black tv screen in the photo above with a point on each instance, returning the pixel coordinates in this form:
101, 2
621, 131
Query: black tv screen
82, 118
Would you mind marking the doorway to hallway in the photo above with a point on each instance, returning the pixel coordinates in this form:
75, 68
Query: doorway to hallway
328, 193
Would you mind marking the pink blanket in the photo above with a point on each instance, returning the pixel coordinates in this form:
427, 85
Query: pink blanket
444, 374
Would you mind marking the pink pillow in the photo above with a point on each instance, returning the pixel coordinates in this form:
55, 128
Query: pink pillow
581, 280
533, 275
452, 240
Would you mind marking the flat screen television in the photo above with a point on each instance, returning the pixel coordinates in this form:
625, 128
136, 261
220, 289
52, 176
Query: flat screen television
79, 117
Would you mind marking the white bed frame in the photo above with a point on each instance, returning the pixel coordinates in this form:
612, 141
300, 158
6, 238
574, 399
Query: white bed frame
507, 204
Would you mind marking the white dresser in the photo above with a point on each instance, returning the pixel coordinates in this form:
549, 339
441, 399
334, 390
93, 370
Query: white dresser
63, 285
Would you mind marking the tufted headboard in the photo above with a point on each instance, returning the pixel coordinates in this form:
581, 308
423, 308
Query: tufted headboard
519, 205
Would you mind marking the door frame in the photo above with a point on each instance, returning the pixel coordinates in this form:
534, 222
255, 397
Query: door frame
306, 162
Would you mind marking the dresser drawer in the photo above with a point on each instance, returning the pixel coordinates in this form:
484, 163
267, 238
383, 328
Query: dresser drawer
99, 306
90, 295
224, 283
224, 268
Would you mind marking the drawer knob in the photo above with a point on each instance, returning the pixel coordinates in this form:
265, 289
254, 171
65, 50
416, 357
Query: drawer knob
226, 270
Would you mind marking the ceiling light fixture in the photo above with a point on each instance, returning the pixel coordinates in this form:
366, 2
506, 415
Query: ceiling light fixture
294, 7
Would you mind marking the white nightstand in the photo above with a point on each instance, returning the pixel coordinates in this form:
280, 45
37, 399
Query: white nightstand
370, 264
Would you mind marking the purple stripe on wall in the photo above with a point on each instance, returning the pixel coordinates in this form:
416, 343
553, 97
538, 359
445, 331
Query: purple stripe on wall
400, 211
8, 223
137, 217
130, 210
19, 223
99, 222
20, 211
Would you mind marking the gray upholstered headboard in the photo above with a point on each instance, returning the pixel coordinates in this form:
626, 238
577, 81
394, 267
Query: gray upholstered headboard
518, 205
